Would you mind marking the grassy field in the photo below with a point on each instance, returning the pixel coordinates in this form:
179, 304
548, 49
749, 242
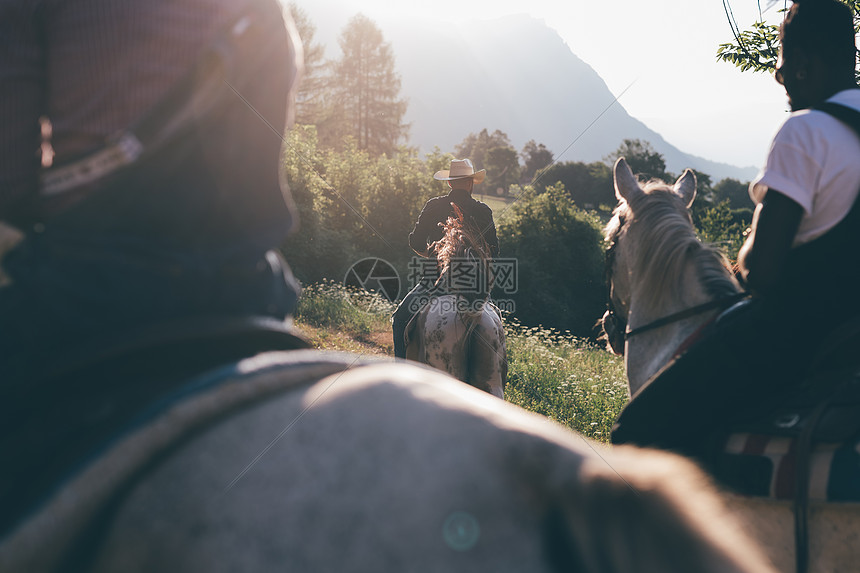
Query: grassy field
495, 203
334, 318
554, 374
567, 379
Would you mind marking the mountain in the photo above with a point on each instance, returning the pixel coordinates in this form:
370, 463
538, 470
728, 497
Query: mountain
516, 74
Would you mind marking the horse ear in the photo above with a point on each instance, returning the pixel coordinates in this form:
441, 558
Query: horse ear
626, 185
685, 186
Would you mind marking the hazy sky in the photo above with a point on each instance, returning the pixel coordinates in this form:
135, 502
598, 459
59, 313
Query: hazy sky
666, 48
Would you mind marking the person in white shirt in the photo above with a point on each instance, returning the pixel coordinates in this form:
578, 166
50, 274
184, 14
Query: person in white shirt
800, 261
812, 175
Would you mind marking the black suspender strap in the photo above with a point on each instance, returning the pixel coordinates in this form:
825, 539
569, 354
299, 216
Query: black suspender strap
847, 115
850, 117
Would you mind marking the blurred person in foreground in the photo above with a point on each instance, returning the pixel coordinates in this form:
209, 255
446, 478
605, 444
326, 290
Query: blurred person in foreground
163, 200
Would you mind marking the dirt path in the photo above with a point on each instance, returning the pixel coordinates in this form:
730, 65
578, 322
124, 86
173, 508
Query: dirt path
377, 342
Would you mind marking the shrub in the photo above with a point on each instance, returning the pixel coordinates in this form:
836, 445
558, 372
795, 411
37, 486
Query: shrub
558, 249
331, 305
565, 378
352, 206
723, 226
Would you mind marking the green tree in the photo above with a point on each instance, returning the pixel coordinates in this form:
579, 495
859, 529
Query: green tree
559, 255
391, 201
704, 188
588, 184
642, 158
723, 218
436, 160
310, 96
365, 91
535, 157
734, 191
757, 48
353, 205
723, 226
503, 169
476, 146
319, 249
704, 196
493, 152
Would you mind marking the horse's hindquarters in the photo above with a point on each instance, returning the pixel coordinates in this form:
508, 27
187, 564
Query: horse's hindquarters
394, 467
454, 339
442, 332
466, 343
299, 462
365, 478
488, 363
834, 532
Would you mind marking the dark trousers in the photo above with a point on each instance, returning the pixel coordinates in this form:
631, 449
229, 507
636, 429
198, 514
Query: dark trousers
411, 303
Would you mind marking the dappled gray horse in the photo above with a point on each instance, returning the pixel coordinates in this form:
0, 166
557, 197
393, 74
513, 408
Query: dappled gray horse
459, 330
659, 271
315, 461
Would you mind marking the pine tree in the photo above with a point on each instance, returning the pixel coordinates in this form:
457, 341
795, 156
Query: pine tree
494, 153
310, 96
365, 92
535, 157
476, 146
643, 159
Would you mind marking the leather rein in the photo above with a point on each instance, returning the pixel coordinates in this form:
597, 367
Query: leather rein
616, 327
721, 303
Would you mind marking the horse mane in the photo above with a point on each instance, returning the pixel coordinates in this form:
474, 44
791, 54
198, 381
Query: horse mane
461, 240
671, 244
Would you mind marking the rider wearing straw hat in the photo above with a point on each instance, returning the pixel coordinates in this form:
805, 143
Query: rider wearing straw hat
461, 178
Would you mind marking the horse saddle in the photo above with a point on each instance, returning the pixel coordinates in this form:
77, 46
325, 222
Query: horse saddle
807, 447
810, 436
832, 418
827, 402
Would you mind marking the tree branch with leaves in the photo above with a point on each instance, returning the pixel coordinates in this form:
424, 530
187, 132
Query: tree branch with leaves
757, 48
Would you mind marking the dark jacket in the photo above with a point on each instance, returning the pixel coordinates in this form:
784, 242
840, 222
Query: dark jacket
438, 209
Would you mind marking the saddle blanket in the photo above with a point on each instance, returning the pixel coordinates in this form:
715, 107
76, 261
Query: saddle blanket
766, 466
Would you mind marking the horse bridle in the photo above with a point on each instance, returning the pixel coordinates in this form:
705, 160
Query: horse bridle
615, 326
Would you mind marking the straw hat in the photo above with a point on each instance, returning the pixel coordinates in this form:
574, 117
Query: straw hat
460, 169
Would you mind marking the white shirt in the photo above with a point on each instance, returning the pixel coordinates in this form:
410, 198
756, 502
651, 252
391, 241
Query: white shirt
815, 161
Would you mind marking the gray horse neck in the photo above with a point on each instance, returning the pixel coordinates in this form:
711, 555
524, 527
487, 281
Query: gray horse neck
649, 352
